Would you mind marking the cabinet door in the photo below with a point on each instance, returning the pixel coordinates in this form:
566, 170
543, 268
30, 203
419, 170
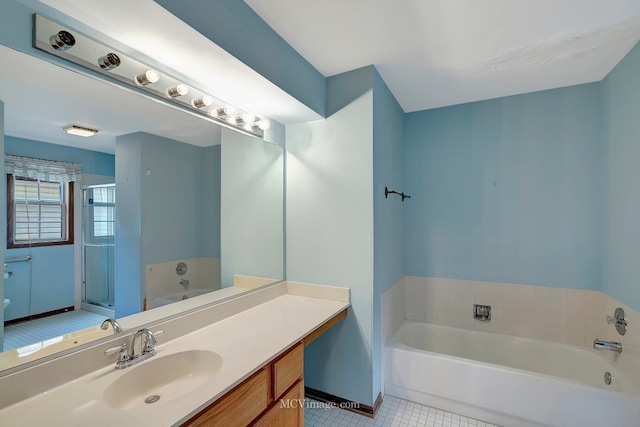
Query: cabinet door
288, 411
238, 407
287, 370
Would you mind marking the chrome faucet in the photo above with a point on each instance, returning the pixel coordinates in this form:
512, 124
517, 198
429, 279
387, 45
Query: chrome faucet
184, 283
128, 358
148, 341
607, 345
114, 324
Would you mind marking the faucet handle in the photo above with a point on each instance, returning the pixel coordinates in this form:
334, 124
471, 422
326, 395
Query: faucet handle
123, 355
113, 350
149, 340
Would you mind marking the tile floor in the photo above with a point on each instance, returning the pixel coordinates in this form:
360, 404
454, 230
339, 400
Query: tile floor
393, 412
33, 331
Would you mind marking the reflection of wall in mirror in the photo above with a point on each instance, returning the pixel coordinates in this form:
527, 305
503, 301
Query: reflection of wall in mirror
252, 230
52, 280
3, 232
169, 210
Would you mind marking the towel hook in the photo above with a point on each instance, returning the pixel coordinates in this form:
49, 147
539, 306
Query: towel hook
387, 192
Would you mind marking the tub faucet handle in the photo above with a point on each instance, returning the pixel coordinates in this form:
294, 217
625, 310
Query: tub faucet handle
619, 320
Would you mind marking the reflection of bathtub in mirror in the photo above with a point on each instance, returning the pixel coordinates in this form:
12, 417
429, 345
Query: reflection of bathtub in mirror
164, 284
178, 296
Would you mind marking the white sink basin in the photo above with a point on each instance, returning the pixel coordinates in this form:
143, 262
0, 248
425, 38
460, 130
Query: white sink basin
162, 379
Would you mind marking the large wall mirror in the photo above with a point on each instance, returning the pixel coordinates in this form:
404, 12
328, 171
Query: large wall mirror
172, 211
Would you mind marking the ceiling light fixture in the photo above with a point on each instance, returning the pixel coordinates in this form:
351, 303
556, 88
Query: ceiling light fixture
80, 131
148, 77
177, 90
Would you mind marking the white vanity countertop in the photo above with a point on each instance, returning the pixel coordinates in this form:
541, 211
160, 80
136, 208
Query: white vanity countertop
246, 341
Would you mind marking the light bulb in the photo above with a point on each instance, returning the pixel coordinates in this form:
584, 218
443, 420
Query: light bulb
262, 124
62, 40
148, 77
203, 101
178, 90
109, 61
245, 119
223, 112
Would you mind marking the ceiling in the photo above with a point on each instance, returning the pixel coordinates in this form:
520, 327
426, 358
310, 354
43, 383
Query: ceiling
430, 53
434, 53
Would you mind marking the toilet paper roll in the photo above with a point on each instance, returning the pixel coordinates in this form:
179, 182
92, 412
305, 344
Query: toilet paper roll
6, 275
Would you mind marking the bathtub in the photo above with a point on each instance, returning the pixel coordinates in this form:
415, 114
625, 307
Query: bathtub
506, 380
179, 296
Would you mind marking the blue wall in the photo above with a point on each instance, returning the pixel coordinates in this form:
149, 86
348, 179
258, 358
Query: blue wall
621, 128
3, 216
507, 190
47, 283
388, 255
235, 27
164, 196
211, 164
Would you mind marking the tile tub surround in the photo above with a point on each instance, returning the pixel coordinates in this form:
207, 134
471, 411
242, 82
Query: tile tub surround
562, 315
162, 279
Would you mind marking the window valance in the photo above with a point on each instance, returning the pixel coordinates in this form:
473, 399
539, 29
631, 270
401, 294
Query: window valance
44, 170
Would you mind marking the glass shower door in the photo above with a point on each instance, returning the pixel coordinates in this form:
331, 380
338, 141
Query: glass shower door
98, 238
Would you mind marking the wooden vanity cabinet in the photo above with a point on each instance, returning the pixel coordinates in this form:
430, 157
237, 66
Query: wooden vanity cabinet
288, 411
272, 397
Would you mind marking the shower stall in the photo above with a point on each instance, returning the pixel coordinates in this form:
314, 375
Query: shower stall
98, 242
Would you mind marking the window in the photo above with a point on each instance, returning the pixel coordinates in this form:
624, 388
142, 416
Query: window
39, 213
102, 204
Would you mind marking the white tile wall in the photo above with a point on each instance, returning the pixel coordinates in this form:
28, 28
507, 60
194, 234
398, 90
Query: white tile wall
162, 279
393, 310
571, 316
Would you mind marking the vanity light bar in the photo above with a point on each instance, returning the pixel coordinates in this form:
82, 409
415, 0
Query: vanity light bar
79, 49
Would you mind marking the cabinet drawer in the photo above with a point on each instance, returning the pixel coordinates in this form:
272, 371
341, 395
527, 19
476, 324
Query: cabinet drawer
287, 370
238, 407
288, 411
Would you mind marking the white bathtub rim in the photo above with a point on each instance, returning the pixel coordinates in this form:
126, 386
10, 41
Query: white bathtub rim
496, 408
395, 343
168, 298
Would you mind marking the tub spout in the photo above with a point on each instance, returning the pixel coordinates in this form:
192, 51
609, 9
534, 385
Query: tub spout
607, 345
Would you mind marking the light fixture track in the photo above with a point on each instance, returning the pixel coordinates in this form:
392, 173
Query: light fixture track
73, 46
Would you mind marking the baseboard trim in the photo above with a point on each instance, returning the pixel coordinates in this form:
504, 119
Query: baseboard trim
349, 405
39, 316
